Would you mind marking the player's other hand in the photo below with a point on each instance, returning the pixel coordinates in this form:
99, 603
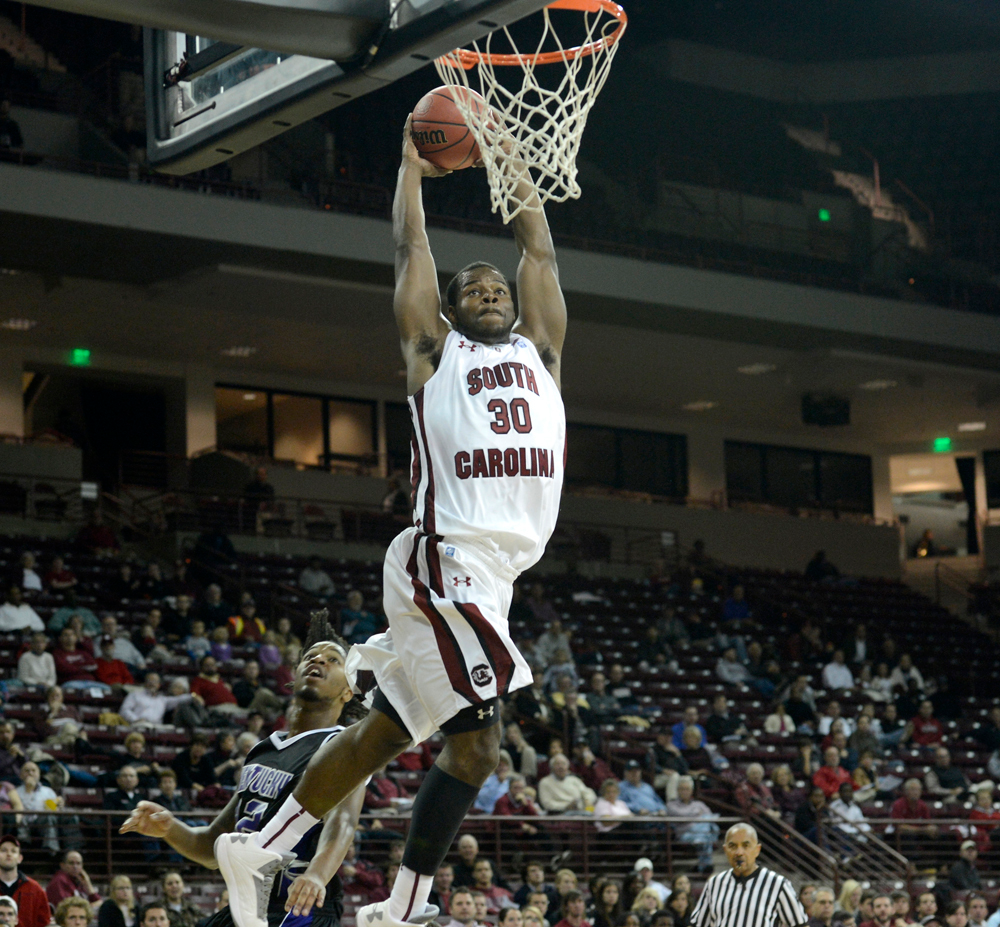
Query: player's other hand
148, 819
305, 893
412, 156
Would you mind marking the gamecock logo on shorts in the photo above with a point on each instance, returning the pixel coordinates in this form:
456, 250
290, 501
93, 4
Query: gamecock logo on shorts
481, 675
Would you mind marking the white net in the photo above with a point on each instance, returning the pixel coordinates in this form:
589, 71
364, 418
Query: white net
532, 132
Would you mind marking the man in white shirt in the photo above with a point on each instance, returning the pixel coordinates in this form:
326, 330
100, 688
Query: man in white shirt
905, 673
17, 615
830, 714
849, 819
31, 581
36, 667
149, 705
315, 580
124, 650
837, 674
559, 791
645, 866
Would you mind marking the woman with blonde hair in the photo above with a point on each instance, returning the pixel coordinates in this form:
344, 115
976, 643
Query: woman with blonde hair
119, 909
850, 898
646, 904
531, 917
73, 912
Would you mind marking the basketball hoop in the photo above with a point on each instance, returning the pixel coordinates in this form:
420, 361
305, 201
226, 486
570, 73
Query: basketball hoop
533, 132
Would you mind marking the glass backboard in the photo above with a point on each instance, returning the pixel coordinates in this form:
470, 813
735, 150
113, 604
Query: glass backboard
208, 99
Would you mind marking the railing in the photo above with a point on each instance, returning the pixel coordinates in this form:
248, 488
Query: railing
946, 576
44, 498
935, 846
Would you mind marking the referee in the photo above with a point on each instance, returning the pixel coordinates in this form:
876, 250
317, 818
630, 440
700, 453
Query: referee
748, 895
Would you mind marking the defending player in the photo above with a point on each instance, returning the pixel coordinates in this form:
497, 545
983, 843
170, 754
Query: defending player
488, 456
322, 698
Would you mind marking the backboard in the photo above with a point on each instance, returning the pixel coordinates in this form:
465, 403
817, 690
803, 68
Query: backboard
209, 98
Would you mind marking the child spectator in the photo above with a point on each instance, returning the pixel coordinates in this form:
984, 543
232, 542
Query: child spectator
196, 644
269, 654
222, 650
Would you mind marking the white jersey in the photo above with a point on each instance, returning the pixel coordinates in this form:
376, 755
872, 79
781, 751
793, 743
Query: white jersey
489, 449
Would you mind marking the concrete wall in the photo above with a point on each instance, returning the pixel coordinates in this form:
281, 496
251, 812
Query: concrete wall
39, 460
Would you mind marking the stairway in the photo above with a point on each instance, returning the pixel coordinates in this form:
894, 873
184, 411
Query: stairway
949, 581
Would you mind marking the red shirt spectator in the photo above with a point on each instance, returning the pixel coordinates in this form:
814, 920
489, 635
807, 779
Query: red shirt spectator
113, 672
903, 808
591, 769
986, 818
73, 663
753, 796
381, 791
927, 730
32, 905
358, 876
71, 881
831, 775
246, 627
59, 578
209, 685
416, 759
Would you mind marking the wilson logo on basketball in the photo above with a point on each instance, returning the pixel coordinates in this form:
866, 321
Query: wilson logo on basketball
429, 137
481, 675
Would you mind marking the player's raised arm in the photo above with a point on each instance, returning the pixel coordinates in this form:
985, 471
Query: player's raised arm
417, 301
541, 306
196, 843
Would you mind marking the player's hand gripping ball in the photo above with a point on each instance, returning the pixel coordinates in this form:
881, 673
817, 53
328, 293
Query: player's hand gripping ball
439, 131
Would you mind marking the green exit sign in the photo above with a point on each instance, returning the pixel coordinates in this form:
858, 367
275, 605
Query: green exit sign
942, 445
79, 357
824, 215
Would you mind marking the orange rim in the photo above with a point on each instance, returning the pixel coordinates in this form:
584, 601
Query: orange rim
462, 57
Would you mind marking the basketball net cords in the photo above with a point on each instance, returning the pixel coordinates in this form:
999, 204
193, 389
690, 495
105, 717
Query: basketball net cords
532, 134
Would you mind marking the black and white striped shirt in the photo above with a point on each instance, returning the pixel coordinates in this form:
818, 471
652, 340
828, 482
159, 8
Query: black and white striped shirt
762, 899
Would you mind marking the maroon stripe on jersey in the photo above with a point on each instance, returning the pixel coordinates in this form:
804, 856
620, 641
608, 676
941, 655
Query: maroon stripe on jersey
498, 655
448, 647
428, 525
414, 466
434, 566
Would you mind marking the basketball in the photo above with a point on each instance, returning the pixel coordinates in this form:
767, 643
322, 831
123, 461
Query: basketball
439, 131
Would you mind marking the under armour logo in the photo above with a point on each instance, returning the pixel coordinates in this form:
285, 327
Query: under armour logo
485, 713
375, 915
471, 347
460, 580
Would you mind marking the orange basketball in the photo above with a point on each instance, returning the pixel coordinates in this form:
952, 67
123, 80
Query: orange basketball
439, 131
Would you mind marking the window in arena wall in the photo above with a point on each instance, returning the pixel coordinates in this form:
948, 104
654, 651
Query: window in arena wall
397, 435
798, 478
635, 461
306, 429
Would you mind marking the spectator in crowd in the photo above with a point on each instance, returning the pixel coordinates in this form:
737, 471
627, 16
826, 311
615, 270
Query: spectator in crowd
847, 816
462, 909
59, 579
71, 881
901, 907
215, 693
524, 758
8, 911
61, 616
622, 690
532, 703
821, 910
754, 797
192, 765
119, 908
724, 727
559, 791
786, 796
357, 624
604, 707
545, 614
73, 912
246, 626
75, 667
178, 620
925, 730
495, 786
831, 715
533, 882
97, 538
962, 874
222, 649
152, 586
801, 705
983, 812
906, 674
135, 756
169, 796
560, 675
945, 782
988, 731
639, 796
882, 913
36, 797
864, 738
11, 755
702, 832
518, 802
819, 569
180, 911
384, 795
32, 904
927, 906
253, 695
681, 907
148, 705
956, 914
831, 775
573, 909
697, 757
125, 587
36, 667
257, 494
361, 877
154, 914
214, 611
28, 577
223, 759
837, 674
667, 763
482, 881
646, 904
315, 580
196, 644
690, 719
592, 769
644, 866
606, 906
977, 910
731, 671
110, 671
910, 807
812, 814
468, 856
610, 809
18, 615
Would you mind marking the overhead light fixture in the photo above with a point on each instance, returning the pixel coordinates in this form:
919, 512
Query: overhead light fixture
9, 271
250, 397
878, 384
755, 370
699, 405
239, 351
972, 426
18, 325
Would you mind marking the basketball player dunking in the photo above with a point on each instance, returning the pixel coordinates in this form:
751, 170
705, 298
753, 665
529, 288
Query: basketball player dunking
271, 770
488, 456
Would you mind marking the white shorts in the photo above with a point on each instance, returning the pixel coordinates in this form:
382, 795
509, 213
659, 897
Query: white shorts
448, 646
